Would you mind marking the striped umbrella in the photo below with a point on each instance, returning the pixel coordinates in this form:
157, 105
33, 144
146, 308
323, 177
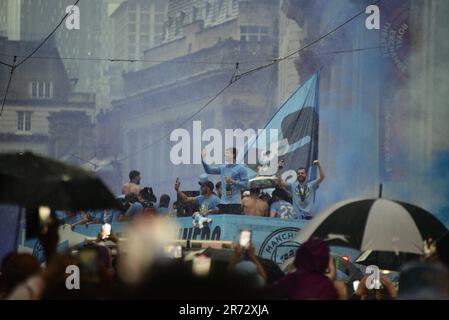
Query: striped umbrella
375, 224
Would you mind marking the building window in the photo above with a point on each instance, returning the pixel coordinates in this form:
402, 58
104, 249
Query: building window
145, 17
160, 18
132, 16
178, 26
41, 90
182, 17
144, 39
221, 7
24, 121
208, 10
170, 23
160, 6
145, 27
158, 29
195, 14
254, 33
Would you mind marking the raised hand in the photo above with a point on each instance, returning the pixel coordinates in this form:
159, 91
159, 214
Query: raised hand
177, 184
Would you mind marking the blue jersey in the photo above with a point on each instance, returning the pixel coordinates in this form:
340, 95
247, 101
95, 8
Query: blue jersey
230, 193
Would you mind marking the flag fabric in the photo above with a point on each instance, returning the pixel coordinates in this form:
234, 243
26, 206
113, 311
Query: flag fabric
297, 123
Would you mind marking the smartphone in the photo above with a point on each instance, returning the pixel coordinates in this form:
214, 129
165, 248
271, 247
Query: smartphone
105, 231
173, 252
355, 284
245, 238
201, 265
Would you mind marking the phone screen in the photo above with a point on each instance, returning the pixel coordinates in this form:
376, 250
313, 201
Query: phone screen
355, 285
173, 252
105, 230
245, 238
201, 265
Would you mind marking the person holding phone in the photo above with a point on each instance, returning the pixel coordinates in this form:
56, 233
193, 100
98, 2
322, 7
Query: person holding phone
249, 267
386, 290
245, 239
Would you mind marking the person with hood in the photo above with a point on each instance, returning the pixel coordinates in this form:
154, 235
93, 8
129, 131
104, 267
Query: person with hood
310, 280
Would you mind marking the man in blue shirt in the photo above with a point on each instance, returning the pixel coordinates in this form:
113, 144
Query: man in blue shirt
103, 216
280, 208
303, 192
207, 201
72, 218
234, 177
164, 203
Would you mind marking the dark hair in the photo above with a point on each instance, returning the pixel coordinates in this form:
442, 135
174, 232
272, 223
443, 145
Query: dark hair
209, 184
254, 190
423, 280
147, 194
133, 174
278, 192
164, 201
234, 152
302, 168
218, 185
16, 268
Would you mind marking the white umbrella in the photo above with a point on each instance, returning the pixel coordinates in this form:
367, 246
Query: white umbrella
375, 224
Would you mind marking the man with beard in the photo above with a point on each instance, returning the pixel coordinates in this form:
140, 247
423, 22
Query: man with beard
133, 185
303, 191
207, 201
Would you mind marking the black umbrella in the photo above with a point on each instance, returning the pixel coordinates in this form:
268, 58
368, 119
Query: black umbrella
29, 180
375, 224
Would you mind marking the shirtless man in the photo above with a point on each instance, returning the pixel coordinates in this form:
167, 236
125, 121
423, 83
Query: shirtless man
253, 205
133, 185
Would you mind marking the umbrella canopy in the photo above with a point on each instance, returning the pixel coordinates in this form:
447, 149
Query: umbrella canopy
29, 180
375, 224
386, 260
